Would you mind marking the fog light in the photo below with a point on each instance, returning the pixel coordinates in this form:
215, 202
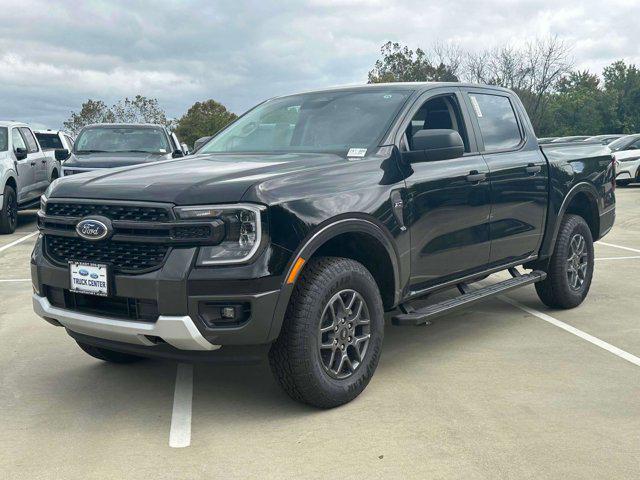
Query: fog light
228, 312
218, 314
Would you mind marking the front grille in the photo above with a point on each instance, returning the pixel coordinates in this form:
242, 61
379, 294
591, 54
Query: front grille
124, 257
114, 212
141, 310
192, 232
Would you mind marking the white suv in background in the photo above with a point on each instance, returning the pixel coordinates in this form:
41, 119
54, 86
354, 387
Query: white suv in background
51, 140
25, 172
626, 151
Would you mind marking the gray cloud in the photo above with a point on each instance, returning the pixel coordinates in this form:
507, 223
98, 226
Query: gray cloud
53, 56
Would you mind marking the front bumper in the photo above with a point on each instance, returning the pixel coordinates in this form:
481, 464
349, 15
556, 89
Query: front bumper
179, 290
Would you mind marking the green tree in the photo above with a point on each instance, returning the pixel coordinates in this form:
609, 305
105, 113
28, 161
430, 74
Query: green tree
400, 64
203, 119
622, 87
91, 111
140, 109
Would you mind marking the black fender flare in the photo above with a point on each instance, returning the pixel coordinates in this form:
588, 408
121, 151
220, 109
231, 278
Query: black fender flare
554, 223
318, 237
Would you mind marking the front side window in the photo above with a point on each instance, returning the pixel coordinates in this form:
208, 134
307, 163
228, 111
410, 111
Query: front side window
497, 120
122, 139
442, 112
314, 122
49, 141
4, 139
32, 145
17, 140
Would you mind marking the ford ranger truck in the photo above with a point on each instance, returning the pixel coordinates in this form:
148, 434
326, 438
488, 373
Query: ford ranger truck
298, 226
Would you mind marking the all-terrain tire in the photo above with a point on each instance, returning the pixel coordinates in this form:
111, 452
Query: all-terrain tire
557, 290
296, 358
9, 211
108, 355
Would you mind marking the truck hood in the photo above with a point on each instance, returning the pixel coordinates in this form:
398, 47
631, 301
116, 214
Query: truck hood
111, 160
192, 180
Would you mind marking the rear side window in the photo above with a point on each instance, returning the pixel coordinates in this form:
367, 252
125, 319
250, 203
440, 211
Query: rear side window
4, 139
497, 120
32, 145
49, 141
17, 140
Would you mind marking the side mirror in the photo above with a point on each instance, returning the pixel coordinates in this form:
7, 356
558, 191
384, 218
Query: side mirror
177, 154
21, 153
62, 154
434, 145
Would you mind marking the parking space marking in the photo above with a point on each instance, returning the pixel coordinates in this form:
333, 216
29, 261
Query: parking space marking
619, 246
579, 333
180, 434
16, 242
617, 258
15, 280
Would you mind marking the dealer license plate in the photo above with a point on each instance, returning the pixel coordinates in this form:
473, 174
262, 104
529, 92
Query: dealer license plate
91, 278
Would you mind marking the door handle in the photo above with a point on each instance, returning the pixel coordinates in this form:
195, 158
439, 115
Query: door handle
531, 168
475, 176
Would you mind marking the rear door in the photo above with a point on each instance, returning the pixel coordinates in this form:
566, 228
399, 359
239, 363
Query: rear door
518, 172
448, 200
37, 159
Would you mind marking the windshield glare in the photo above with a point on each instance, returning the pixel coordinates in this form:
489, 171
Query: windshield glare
122, 139
4, 139
620, 143
313, 122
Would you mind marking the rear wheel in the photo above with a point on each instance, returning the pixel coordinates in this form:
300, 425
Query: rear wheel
570, 268
108, 355
9, 212
331, 339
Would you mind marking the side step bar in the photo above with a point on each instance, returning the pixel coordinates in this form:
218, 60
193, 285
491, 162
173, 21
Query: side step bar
469, 297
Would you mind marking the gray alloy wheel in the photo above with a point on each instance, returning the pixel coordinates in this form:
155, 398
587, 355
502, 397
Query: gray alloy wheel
344, 333
577, 262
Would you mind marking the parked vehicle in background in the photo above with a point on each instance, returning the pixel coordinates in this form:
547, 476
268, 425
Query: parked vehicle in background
110, 145
544, 140
25, 172
575, 138
298, 225
626, 152
51, 140
200, 142
604, 139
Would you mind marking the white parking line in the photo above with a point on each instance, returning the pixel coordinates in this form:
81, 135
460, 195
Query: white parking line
617, 258
180, 434
579, 333
15, 280
619, 246
16, 242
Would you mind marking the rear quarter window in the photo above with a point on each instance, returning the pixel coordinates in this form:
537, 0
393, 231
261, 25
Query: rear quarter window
497, 120
4, 139
49, 141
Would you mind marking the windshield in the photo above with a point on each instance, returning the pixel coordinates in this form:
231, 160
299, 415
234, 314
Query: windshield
313, 122
4, 139
122, 139
49, 141
621, 143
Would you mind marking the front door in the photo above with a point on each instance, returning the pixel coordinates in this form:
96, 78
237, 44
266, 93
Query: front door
24, 168
449, 200
519, 177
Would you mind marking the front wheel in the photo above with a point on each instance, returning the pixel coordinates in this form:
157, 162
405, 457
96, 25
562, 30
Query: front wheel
9, 212
332, 334
570, 268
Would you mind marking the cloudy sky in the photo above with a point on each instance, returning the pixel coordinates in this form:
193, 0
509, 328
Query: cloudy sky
56, 54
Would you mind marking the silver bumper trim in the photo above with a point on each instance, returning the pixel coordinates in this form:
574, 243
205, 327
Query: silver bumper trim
179, 332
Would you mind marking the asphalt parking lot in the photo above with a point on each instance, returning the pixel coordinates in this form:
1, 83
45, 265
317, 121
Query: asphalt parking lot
504, 390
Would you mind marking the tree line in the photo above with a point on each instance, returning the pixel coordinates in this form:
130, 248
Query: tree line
560, 100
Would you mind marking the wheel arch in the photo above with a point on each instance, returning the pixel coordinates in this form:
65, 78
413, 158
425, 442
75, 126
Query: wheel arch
339, 237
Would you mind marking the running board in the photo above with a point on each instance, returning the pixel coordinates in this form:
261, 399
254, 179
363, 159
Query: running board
469, 297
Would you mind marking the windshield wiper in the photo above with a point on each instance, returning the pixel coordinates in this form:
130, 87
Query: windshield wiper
91, 151
135, 151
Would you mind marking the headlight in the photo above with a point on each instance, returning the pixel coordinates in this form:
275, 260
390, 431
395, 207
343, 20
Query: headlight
243, 225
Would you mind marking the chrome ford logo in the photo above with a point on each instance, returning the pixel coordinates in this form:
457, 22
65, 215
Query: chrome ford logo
94, 229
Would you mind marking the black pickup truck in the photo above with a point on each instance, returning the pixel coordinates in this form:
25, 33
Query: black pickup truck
295, 229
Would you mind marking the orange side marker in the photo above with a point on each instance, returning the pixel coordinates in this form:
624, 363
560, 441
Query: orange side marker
295, 270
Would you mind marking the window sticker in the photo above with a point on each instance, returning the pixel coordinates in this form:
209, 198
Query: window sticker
357, 152
476, 106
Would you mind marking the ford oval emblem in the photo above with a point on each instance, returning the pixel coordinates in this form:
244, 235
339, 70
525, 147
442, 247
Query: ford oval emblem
94, 229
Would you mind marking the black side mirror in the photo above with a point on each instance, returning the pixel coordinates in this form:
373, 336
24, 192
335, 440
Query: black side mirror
433, 145
177, 154
21, 153
62, 154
